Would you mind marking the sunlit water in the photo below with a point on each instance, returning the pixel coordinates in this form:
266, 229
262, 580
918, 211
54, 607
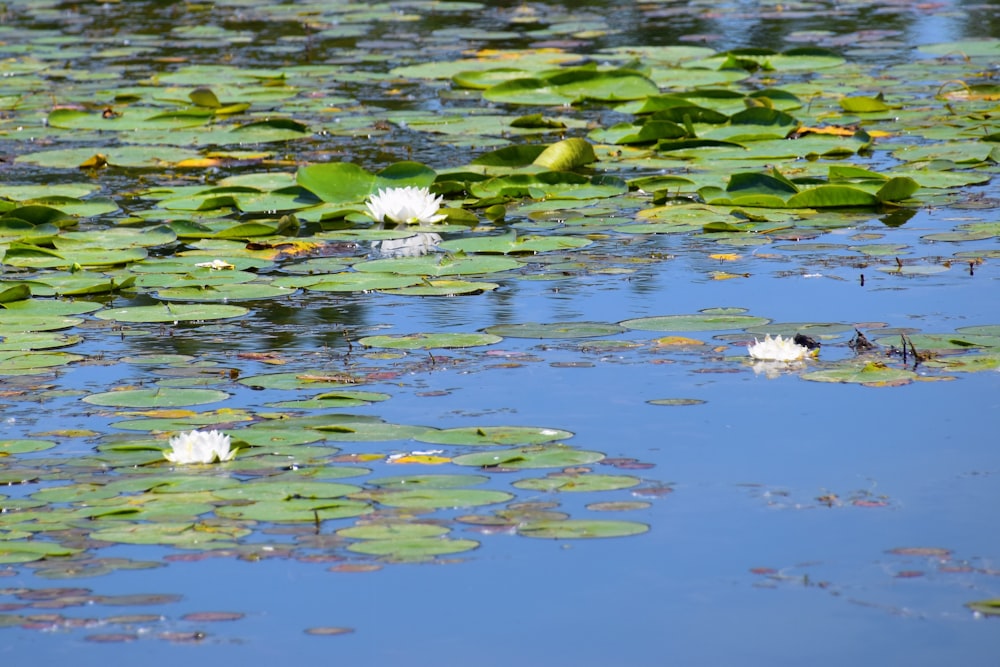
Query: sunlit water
743, 564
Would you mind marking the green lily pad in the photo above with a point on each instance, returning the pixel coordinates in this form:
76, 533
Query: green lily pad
162, 397
369, 432
284, 490
433, 498
578, 483
395, 530
555, 330
430, 341
872, 373
413, 548
359, 281
16, 551
985, 607
295, 510
444, 288
493, 435
186, 535
572, 529
522, 458
696, 322
439, 265
429, 481
172, 313
9, 447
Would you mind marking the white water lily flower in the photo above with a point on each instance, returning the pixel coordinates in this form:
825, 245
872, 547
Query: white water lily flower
215, 265
199, 447
410, 205
777, 349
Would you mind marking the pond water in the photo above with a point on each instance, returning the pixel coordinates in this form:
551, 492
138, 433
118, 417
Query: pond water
652, 494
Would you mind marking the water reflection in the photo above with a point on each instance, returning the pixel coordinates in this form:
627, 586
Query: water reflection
411, 246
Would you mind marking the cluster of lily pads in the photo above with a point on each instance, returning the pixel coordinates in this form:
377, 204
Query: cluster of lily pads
256, 211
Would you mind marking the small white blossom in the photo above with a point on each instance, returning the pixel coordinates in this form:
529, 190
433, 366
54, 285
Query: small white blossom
199, 447
215, 265
410, 205
777, 349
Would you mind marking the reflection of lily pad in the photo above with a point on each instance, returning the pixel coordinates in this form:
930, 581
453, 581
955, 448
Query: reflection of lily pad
581, 529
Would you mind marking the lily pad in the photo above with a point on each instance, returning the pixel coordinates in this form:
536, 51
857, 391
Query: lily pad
172, 313
573, 529
160, 398
522, 458
578, 483
555, 330
434, 498
494, 435
429, 341
696, 322
413, 548
872, 373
